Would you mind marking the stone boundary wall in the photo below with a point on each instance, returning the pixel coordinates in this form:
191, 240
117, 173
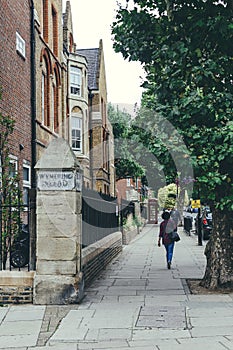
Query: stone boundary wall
16, 287
98, 255
127, 236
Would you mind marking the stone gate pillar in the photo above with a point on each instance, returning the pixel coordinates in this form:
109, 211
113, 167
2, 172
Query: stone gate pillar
58, 278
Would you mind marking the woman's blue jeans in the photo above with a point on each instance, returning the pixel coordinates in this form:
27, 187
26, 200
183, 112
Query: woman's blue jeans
169, 250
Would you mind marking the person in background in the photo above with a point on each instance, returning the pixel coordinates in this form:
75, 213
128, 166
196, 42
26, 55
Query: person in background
166, 226
176, 217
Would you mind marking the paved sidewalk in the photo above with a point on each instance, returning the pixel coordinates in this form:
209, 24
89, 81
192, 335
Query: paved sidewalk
136, 303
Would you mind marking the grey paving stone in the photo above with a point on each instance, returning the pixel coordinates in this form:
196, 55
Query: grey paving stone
136, 303
57, 346
111, 344
191, 346
20, 328
25, 314
158, 334
72, 334
14, 341
114, 333
211, 331
212, 321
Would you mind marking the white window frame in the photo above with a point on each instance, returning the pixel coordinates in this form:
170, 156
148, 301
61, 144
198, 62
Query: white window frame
14, 161
20, 45
26, 183
75, 80
76, 125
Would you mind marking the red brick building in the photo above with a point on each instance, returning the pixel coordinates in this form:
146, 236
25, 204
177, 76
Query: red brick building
15, 82
51, 74
129, 188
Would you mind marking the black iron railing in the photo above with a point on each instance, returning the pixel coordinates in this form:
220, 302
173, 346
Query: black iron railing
14, 234
99, 216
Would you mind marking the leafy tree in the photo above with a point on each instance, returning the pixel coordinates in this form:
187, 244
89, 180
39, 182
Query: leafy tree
125, 160
186, 49
167, 196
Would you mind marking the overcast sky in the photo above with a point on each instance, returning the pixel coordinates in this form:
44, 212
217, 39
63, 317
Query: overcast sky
91, 22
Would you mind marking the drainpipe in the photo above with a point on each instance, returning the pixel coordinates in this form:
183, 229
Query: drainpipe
90, 96
32, 195
33, 98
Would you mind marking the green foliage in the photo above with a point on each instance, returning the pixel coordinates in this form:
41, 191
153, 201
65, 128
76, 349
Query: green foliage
164, 198
167, 196
126, 162
186, 49
10, 195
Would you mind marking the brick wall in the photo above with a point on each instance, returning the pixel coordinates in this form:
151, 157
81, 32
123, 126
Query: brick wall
15, 78
49, 48
97, 256
16, 287
15, 295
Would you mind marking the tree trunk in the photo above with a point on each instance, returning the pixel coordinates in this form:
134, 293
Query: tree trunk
219, 253
180, 206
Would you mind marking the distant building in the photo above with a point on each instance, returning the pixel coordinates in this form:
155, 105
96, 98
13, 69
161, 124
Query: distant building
77, 99
100, 129
55, 90
129, 189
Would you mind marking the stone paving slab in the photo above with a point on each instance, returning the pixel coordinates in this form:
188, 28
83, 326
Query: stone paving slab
13, 341
211, 298
158, 333
168, 292
164, 300
191, 346
150, 347
112, 334
173, 317
136, 303
138, 299
20, 328
113, 344
31, 314
3, 312
175, 322
57, 346
130, 282
207, 342
212, 321
72, 334
134, 344
211, 330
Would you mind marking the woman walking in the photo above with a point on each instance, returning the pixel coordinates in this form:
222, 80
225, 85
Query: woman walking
167, 226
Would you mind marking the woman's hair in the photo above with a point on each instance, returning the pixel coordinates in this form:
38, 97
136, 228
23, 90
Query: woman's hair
166, 215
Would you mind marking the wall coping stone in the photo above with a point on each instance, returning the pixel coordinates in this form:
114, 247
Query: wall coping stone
16, 278
91, 251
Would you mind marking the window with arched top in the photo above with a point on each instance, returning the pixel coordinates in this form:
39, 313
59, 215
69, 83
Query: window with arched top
55, 30
56, 84
45, 88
